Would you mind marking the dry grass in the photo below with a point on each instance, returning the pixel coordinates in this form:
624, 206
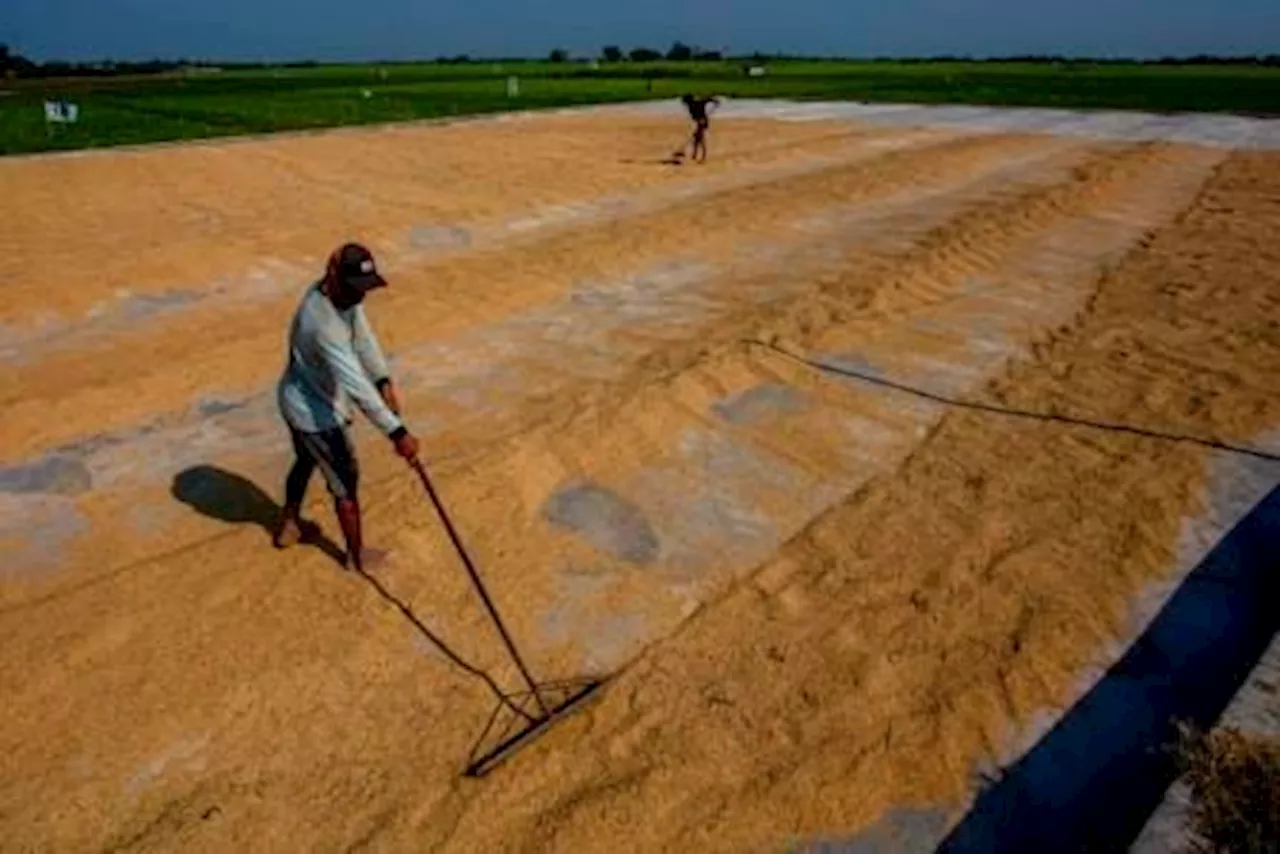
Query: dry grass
1235, 783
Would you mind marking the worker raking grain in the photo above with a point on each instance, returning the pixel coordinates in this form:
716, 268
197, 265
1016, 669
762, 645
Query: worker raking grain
335, 360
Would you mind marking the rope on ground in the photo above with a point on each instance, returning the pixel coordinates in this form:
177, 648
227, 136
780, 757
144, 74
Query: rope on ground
1013, 412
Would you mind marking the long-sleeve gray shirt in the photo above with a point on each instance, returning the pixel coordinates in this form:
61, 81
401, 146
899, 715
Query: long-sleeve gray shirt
334, 360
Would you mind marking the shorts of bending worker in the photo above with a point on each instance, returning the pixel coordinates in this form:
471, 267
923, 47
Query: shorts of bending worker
330, 451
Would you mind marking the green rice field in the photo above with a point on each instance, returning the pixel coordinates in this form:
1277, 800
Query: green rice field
209, 103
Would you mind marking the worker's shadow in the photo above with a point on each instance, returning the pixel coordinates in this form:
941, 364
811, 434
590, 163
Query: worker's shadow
228, 497
670, 160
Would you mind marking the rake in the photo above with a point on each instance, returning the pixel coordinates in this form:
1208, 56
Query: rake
528, 713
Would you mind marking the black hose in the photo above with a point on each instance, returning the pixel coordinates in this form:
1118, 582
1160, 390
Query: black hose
1016, 413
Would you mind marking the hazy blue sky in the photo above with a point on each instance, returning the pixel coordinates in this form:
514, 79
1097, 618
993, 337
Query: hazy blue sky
392, 29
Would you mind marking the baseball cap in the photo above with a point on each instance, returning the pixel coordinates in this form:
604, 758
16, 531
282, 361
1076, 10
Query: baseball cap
355, 265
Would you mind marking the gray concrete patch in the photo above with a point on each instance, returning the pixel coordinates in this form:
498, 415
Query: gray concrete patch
608, 521
854, 363
52, 474
153, 451
135, 307
428, 237
16, 342
123, 311
1191, 128
711, 504
1209, 129
211, 408
607, 640
36, 530
760, 403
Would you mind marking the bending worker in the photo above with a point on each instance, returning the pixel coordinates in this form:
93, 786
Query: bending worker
700, 109
335, 360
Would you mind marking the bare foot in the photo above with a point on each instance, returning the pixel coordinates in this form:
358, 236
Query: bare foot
288, 534
294, 531
372, 560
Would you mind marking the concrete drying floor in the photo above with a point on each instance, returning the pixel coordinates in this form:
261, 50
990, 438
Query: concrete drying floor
826, 600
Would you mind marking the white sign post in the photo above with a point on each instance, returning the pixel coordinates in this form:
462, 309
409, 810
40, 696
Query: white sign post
61, 112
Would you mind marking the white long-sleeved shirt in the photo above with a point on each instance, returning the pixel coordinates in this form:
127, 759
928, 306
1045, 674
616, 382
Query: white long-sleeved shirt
334, 360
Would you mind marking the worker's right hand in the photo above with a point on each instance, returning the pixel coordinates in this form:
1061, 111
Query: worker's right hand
407, 446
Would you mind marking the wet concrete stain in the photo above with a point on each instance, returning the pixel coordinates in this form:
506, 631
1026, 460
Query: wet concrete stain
52, 474
899, 831
759, 403
608, 521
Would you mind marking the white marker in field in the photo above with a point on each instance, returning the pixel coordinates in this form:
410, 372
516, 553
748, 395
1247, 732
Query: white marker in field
513, 87
61, 112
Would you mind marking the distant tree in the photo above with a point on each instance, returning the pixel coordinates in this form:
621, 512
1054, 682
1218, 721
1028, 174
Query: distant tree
645, 54
14, 64
559, 55
708, 55
612, 53
680, 52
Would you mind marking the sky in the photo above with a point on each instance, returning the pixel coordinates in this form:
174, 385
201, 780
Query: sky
340, 30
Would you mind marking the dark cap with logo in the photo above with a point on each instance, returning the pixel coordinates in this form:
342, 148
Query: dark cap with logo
354, 265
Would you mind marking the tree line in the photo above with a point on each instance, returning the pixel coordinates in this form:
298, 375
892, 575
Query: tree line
678, 52
13, 64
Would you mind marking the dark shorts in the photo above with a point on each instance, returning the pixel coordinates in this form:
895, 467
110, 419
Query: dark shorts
332, 452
